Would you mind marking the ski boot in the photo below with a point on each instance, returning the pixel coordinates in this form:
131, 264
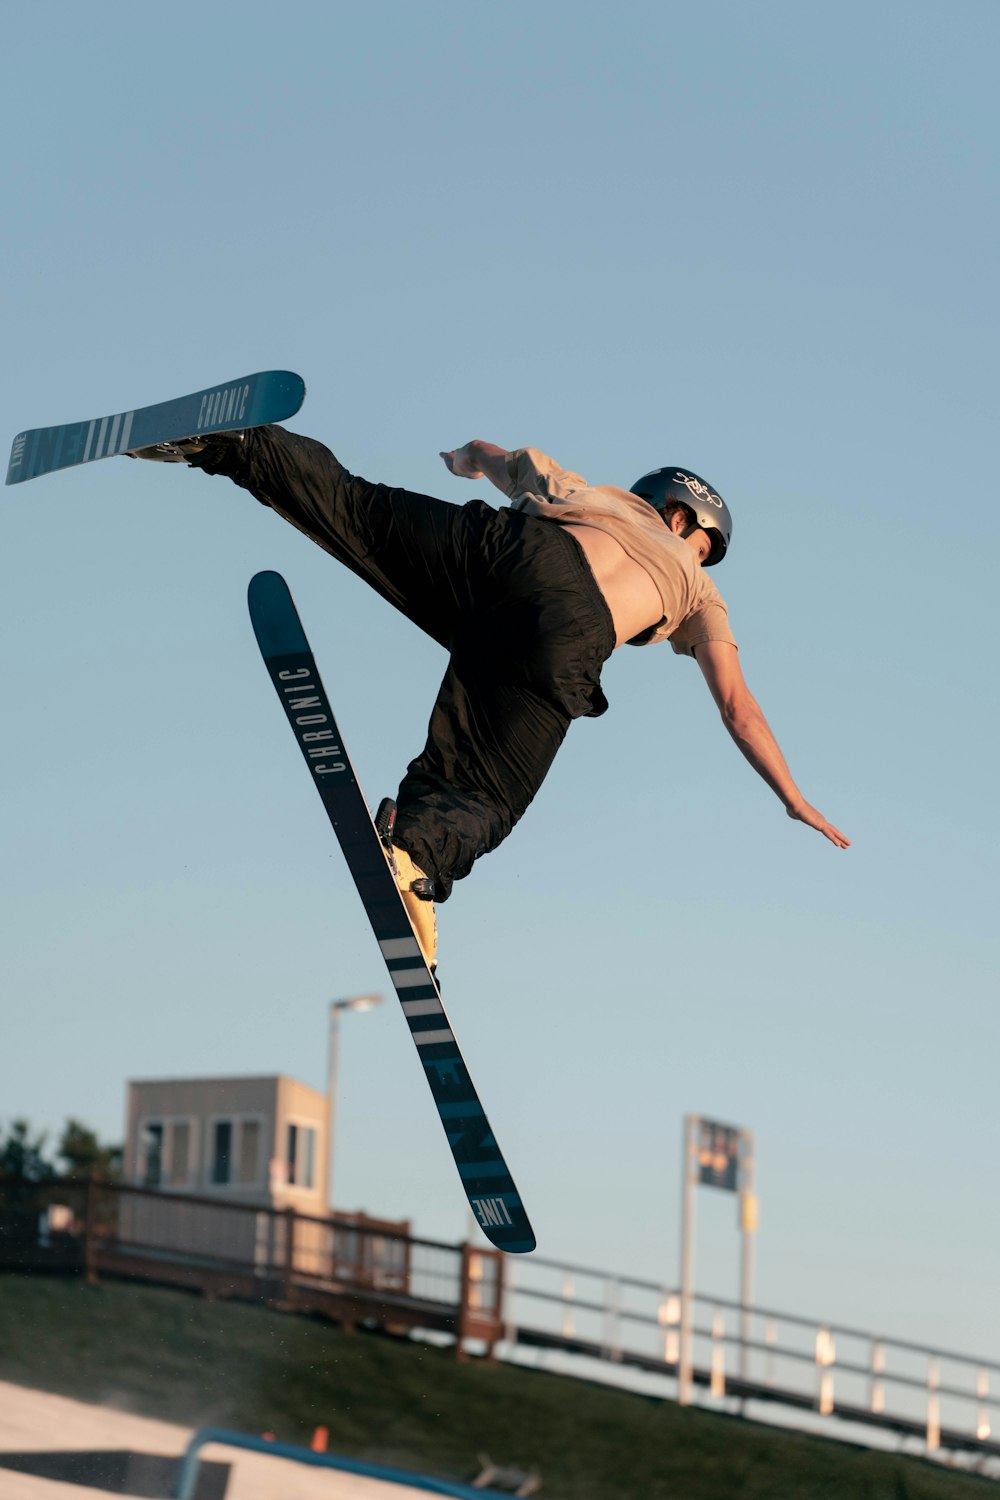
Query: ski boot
182, 450
416, 888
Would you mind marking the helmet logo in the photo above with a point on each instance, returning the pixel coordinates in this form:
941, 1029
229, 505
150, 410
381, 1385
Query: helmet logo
696, 487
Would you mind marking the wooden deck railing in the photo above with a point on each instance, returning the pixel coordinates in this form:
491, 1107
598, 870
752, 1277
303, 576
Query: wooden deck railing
356, 1270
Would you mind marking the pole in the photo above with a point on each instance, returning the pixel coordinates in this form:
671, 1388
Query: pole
332, 1058
356, 1002
748, 1224
685, 1362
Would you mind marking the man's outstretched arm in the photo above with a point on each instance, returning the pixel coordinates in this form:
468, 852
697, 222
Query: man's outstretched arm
741, 714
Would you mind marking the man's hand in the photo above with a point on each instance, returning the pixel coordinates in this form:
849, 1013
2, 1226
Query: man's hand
806, 814
463, 462
477, 459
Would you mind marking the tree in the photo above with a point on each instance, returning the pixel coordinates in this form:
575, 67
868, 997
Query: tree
82, 1154
22, 1166
22, 1158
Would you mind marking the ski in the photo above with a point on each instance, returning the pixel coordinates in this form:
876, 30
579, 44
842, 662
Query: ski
488, 1185
269, 396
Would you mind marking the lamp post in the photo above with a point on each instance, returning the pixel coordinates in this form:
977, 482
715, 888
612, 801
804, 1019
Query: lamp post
337, 1007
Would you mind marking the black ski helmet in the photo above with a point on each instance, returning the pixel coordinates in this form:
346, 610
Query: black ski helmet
661, 486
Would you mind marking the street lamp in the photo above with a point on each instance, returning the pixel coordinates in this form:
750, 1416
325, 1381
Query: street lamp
356, 1002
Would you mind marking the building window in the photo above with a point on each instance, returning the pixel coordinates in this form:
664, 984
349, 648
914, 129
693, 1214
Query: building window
222, 1152
300, 1157
180, 1153
249, 1163
152, 1152
167, 1153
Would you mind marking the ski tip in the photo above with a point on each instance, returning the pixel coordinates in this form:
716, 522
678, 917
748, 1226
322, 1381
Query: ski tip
520, 1247
265, 581
285, 386
503, 1220
15, 467
275, 619
523, 1244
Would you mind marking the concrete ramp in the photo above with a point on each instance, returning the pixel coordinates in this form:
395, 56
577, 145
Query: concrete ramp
44, 1439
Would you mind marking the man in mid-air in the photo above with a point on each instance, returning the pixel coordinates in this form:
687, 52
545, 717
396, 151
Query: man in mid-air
529, 601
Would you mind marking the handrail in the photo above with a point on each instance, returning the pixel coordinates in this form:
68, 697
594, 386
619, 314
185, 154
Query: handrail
190, 1465
798, 1320
299, 1261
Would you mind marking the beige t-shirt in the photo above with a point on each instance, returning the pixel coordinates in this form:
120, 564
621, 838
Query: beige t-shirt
693, 609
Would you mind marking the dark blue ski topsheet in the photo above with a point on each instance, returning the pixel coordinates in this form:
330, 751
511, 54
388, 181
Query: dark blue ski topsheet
490, 1189
269, 396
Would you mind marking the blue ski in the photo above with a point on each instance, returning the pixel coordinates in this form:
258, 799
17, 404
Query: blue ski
488, 1185
270, 396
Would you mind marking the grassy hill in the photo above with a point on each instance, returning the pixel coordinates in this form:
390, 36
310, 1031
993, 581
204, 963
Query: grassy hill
178, 1357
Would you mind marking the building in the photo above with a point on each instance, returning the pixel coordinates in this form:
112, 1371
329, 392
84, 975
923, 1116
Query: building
261, 1141
209, 1147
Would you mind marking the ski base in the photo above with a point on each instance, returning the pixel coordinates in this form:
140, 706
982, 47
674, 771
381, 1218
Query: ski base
251, 401
486, 1179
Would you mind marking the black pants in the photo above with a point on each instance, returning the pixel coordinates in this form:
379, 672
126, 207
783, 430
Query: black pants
511, 598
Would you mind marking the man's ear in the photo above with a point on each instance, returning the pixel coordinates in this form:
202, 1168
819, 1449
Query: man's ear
683, 521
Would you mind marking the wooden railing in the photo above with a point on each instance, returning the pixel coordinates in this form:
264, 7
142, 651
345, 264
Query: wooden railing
352, 1269
357, 1270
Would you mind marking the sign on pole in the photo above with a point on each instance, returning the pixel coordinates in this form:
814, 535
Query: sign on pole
719, 1156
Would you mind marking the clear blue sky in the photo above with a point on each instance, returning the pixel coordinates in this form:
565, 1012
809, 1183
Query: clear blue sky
760, 241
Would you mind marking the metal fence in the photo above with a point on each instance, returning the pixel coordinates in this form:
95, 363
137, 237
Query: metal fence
357, 1270
941, 1398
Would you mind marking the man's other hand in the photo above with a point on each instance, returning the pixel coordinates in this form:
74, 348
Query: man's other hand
803, 813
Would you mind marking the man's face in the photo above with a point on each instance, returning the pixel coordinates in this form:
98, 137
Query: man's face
697, 538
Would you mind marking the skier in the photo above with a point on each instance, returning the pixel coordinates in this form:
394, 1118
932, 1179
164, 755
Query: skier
529, 600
